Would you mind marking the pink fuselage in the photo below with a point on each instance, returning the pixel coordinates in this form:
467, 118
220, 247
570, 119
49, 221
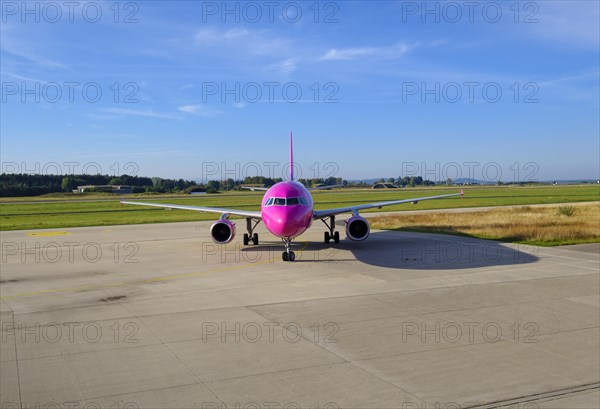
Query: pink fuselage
287, 221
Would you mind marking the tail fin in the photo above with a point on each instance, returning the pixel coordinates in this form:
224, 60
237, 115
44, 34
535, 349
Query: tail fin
291, 159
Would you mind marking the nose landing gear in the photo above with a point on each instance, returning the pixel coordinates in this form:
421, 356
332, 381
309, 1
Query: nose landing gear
288, 254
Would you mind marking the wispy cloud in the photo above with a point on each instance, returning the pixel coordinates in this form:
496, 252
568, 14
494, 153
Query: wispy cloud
199, 110
243, 41
235, 33
285, 67
340, 54
573, 23
139, 112
31, 57
22, 78
211, 36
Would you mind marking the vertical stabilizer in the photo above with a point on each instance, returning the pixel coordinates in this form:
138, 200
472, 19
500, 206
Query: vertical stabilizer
291, 159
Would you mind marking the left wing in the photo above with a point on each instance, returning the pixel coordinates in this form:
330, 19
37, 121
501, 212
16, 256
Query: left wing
320, 214
245, 213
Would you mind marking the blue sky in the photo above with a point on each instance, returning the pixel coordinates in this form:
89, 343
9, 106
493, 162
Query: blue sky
502, 90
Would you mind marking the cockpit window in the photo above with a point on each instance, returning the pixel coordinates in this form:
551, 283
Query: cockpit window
282, 201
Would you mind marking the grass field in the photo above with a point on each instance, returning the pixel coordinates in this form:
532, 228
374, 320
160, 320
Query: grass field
26, 213
540, 225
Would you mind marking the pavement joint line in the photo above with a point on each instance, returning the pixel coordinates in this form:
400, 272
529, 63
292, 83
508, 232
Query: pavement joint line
143, 281
17, 364
454, 346
441, 288
95, 398
278, 371
396, 292
345, 360
62, 355
173, 353
161, 342
539, 397
125, 283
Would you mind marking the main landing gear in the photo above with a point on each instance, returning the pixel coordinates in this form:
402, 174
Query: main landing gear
251, 236
331, 234
288, 254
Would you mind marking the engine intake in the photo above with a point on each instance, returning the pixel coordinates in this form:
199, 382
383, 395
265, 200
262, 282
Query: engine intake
222, 231
357, 228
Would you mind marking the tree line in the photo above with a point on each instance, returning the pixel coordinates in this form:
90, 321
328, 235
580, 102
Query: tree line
24, 184
409, 181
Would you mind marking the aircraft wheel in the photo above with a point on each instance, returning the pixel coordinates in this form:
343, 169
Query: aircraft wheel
284, 256
326, 237
246, 239
292, 256
336, 237
255, 239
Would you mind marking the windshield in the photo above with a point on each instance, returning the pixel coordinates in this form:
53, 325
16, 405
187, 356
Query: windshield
282, 201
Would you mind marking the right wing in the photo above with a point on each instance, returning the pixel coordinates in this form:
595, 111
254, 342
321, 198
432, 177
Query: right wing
324, 187
245, 213
320, 214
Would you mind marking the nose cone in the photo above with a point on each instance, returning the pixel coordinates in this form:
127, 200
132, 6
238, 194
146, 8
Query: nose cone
287, 221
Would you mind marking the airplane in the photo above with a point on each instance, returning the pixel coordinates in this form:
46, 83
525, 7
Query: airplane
287, 212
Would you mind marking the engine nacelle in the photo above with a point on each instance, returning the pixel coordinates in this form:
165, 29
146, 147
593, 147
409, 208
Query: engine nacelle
222, 231
357, 228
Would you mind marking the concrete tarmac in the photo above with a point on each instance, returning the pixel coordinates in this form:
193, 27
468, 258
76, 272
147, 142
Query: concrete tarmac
148, 316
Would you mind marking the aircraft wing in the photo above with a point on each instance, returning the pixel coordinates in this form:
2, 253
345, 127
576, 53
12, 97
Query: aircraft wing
320, 214
310, 188
324, 187
245, 213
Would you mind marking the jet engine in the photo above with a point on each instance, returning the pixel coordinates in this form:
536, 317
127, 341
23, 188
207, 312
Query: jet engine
357, 228
222, 231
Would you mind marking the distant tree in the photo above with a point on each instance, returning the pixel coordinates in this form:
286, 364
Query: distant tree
157, 182
330, 181
213, 186
68, 184
228, 184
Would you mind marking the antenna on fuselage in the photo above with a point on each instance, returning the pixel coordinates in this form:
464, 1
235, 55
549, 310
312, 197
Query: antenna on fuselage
291, 159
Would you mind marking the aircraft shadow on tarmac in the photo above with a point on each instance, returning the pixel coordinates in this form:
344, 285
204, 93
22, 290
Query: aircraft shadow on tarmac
415, 251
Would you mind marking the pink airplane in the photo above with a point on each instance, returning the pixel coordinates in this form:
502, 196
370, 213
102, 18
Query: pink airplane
287, 212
